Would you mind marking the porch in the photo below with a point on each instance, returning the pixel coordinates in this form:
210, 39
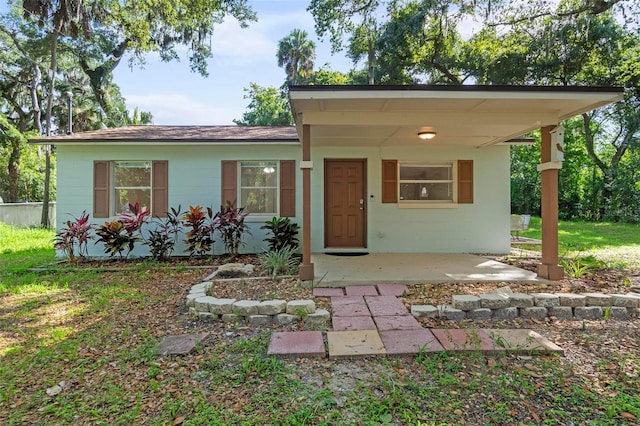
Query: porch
383, 131
411, 268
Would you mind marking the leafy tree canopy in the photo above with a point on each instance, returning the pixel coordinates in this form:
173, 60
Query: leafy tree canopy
267, 107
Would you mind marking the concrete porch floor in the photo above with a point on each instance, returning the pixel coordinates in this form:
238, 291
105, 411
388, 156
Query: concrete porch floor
412, 268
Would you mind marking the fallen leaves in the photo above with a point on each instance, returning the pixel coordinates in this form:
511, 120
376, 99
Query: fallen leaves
115, 370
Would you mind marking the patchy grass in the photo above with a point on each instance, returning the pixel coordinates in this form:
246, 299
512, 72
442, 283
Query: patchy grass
616, 244
97, 333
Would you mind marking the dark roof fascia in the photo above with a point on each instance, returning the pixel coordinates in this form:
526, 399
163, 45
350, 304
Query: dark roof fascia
459, 88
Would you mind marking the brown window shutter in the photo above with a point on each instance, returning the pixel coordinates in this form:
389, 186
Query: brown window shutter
465, 181
229, 182
160, 188
101, 188
389, 181
287, 188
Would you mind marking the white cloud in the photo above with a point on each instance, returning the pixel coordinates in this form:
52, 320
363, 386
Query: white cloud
174, 95
235, 45
180, 109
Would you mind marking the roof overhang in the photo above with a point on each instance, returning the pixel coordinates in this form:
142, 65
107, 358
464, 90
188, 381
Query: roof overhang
182, 135
460, 115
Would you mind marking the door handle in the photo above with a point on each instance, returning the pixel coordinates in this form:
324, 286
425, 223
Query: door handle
361, 203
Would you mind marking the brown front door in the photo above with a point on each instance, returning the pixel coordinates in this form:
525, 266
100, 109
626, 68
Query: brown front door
344, 203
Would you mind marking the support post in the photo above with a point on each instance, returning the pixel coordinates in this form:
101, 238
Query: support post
549, 268
306, 268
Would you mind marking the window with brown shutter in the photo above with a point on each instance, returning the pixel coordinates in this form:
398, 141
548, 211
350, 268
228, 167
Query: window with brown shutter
287, 188
101, 188
260, 193
112, 186
160, 189
229, 182
389, 181
465, 181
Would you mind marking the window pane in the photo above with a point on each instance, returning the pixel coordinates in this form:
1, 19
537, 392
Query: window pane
259, 200
132, 173
132, 196
426, 191
439, 173
425, 172
258, 186
258, 174
132, 184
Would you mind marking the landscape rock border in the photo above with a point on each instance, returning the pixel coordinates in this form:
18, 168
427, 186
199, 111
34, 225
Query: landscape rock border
255, 313
504, 304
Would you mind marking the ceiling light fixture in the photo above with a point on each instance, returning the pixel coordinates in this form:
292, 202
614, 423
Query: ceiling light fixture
426, 135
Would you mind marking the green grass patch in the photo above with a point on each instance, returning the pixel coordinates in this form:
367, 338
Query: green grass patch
615, 244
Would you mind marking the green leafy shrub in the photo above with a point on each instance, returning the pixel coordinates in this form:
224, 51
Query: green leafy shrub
162, 240
123, 232
578, 267
229, 222
279, 262
76, 233
284, 234
114, 237
199, 238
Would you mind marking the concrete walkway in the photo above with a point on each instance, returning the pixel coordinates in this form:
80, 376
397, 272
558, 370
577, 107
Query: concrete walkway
373, 321
413, 268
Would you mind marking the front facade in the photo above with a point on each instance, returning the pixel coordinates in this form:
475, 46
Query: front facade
410, 199
353, 172
101, 173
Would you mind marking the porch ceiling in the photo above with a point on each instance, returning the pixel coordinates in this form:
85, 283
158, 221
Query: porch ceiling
460, 115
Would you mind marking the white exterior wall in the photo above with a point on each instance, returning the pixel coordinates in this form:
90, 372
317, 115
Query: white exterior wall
194, 178
481, 227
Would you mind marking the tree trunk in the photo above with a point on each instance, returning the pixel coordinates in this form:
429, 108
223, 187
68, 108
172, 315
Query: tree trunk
44, 220
35, 103
13, 167
371, 63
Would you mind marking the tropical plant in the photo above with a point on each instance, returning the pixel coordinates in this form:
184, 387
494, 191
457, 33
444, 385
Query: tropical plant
296, 53
580, 266
162, 240
133, 217
230, 222
76, 233
199, 238
278, 262
123, 232
284, 234
115, 238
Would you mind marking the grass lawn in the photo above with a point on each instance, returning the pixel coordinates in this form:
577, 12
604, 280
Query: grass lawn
94, 334
617, 244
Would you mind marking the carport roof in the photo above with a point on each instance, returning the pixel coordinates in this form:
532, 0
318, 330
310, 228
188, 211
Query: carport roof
460, 115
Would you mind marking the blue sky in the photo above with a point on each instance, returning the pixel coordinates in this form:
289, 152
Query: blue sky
175, 95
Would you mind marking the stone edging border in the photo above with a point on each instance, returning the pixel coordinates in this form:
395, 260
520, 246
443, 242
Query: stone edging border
504, 304
279, 312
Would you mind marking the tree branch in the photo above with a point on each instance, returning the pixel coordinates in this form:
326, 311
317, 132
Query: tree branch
588, 135
594, 7
98, 74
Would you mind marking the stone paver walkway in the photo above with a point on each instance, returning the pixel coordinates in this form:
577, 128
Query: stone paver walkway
371, 320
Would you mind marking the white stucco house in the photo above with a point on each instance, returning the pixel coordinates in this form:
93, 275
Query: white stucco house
366, 168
